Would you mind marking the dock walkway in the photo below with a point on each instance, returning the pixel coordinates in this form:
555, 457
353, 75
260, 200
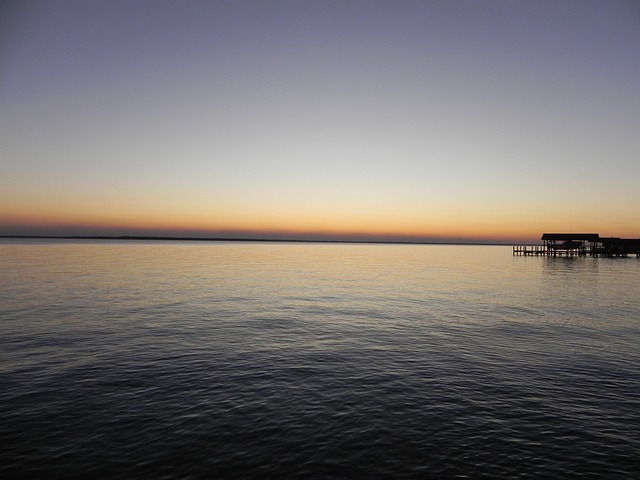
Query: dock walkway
542, 250
580, 245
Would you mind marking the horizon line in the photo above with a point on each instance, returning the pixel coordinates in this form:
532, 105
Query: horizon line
247, 239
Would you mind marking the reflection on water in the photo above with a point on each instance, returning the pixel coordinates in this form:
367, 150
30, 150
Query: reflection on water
236, 360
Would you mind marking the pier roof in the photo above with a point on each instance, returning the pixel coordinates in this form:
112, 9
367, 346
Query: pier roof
590, 237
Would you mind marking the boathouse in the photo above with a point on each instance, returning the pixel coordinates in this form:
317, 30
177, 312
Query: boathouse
618, 247
576, 243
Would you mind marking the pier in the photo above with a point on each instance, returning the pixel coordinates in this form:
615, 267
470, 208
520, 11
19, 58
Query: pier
580, 245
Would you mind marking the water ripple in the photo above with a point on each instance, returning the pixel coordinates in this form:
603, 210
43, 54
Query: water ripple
257, 361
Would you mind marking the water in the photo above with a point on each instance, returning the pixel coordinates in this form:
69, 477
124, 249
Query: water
253, 360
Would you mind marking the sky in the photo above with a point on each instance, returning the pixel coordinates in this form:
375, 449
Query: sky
481, 121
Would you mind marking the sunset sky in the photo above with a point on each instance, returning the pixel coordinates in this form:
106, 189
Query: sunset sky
410, 120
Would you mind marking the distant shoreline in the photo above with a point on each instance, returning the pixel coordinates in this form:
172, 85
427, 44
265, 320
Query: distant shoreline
241, 239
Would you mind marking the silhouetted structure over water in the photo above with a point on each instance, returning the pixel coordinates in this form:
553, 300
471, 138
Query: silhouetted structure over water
581, 244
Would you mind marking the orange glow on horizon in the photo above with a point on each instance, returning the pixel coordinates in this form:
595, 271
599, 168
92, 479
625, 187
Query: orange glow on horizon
310, 221
362, 231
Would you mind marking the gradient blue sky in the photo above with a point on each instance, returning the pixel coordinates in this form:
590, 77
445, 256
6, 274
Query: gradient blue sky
427, 120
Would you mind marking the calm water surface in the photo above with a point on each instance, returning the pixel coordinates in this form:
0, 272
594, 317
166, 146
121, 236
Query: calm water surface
253, 360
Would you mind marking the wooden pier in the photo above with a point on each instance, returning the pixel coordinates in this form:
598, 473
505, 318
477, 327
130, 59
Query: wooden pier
580, 245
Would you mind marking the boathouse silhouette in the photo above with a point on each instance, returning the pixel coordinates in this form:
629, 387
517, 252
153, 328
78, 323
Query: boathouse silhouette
581, 244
